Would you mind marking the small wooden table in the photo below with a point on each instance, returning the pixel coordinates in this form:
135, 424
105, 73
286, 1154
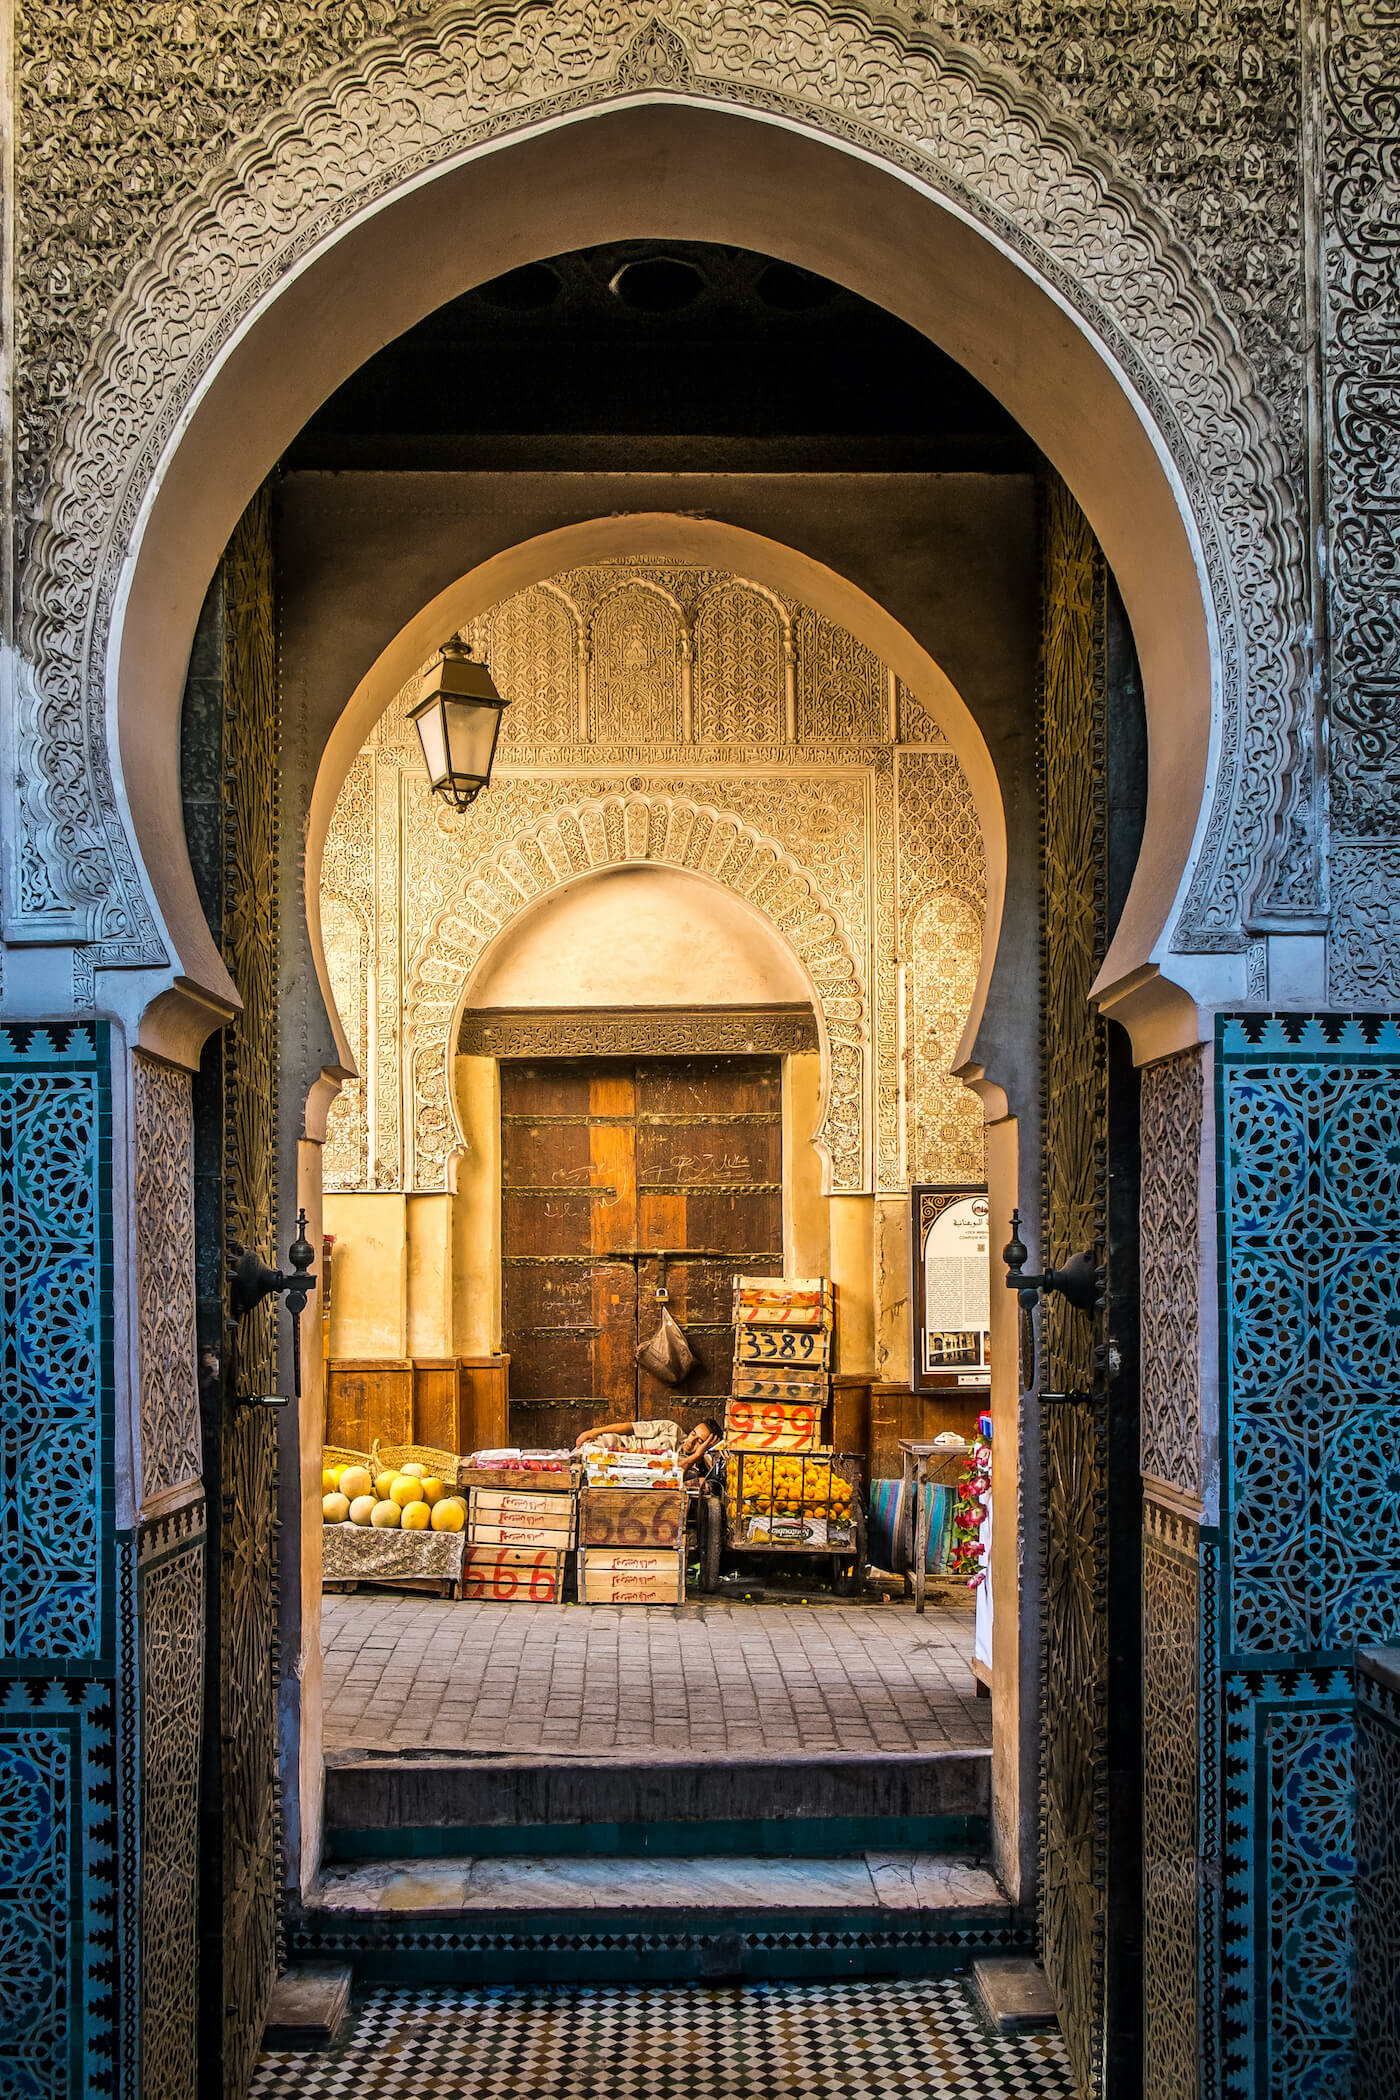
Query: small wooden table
917, 1454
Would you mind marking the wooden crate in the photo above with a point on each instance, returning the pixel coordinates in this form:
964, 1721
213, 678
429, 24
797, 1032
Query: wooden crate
552, 1538
517, 1505
782, 1301
632, 1518
793, 1385
609, 1576
513, 1574
771, 1425
781, 1346
515, 1479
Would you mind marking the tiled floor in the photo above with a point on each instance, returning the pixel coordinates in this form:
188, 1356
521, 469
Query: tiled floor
719, 1678
782, 2041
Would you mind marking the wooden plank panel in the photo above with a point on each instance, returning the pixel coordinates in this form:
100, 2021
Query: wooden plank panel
631, 1517
677, 1157
709, 1123
436, 1418
484, 1384
680, 1086
369, 1399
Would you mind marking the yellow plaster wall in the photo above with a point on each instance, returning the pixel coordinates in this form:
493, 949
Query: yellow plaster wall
853, 1274
806, 1211
369, 1298
891, 1288
429, 1245
476, 1273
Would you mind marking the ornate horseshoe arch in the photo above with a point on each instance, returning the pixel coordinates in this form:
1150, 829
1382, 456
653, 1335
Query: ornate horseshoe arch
613, 832
427, 97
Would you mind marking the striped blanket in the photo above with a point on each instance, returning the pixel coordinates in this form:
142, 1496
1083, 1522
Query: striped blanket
891, 1535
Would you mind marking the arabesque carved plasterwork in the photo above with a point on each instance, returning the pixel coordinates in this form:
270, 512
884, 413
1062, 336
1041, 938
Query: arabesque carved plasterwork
940, 919
1358, 96
835, 840
163, 1202
1173, 1115
177, 162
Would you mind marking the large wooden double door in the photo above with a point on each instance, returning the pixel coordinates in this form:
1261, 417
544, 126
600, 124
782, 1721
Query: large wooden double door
609, 1165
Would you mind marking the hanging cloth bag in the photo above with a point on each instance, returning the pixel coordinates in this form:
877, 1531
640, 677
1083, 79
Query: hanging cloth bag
668, 1355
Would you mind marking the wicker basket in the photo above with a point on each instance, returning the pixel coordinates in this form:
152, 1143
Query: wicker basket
392, 1458
338, 1455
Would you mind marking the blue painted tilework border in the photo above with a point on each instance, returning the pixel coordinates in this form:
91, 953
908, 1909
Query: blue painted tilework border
1308, 1118
58, 1889
1376, 1986
68, 1748
57, 1603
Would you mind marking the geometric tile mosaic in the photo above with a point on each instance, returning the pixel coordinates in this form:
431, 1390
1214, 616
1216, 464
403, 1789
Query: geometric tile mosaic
1288, 1899
58, 1889
1310, 1168
779, 2041
55, 1348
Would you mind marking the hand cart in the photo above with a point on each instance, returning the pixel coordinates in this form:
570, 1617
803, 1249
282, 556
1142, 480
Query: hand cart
806, 1503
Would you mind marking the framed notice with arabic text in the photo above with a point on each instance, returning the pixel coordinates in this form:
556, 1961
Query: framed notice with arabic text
951, 1295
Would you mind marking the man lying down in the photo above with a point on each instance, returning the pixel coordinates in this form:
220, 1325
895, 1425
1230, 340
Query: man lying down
697, 1451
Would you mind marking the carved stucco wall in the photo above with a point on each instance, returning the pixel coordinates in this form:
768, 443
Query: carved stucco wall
813, 784
174, 160
163, 1189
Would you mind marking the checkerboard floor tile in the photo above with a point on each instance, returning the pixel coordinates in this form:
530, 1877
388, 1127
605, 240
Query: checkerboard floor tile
783, 2041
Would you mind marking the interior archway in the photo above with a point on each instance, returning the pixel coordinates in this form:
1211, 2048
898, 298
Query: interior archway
713, 543
704, 172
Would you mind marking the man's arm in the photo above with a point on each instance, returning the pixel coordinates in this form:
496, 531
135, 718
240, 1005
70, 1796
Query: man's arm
586, 1436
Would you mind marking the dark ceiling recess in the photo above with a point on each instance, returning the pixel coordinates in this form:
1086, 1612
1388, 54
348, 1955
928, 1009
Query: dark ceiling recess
658, 284
644, 355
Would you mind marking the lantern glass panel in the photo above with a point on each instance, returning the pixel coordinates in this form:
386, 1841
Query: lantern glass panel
472, 727
432, 736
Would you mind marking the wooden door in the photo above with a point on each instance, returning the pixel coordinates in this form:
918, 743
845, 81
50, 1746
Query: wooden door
607, 1164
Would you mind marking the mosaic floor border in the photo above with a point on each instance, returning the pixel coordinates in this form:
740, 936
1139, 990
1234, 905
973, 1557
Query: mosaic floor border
781, 2041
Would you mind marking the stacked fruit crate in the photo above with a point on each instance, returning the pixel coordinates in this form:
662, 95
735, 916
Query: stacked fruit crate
784, 1489
631, 1529
782, 1363
517, 1537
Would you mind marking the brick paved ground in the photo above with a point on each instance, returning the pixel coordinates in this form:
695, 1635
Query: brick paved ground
714, 1678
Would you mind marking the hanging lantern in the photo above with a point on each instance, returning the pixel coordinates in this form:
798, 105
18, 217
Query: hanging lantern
458, 719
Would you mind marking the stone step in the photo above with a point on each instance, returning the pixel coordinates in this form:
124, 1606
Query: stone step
564, 1918
429, 1804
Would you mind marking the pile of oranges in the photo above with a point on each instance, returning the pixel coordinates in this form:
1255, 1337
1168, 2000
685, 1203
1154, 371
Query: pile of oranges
408, 1499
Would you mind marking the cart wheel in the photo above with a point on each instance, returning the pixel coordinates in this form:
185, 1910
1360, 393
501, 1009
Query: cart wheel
711, 1541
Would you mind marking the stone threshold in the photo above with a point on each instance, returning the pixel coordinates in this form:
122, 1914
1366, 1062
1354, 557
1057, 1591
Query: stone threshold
629, 1891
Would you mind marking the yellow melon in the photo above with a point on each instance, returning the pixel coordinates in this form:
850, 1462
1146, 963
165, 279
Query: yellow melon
448, 1515
356, 1480
335, 1509
416, 1517
434, 1490
406, 1490
385, 1516
330, 1479
414, 1470
382, 1484
362, 1509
